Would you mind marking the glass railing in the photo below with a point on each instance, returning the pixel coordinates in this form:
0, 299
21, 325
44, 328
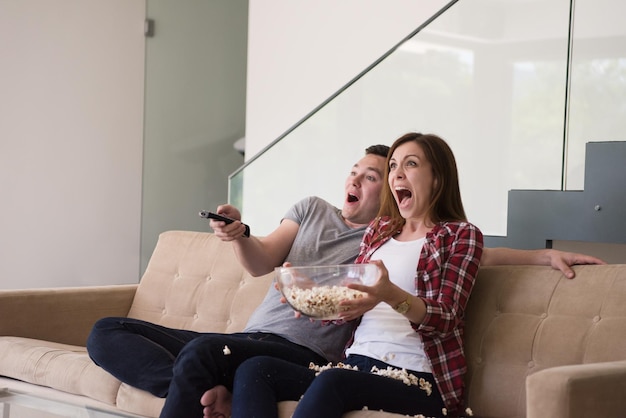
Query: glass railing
493, 79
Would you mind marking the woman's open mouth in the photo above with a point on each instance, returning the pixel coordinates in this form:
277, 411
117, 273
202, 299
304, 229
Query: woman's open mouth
403, 195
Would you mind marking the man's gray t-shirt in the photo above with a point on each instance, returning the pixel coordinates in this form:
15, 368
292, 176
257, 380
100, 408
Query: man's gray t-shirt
323, 239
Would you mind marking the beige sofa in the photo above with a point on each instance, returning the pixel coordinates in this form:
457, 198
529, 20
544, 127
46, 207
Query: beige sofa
538, 345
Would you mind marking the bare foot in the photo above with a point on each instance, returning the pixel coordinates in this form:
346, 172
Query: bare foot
216, 402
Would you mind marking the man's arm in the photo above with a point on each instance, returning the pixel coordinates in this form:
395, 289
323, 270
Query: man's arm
258, 255
559, 260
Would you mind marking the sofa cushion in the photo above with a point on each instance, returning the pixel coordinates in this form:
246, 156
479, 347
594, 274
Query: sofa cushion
194, 281
139, 402
61, 366
523, 319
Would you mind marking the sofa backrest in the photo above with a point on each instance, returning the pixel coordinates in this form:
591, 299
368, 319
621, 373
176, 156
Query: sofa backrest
523, 319
520, 319
194, 281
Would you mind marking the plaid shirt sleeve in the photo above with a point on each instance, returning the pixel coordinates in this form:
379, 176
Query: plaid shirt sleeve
445, 277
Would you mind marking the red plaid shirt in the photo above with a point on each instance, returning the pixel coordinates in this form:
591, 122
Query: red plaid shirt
444, 279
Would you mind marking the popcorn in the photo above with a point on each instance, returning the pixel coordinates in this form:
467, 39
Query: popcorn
403, 375
226, 350
339, 365
426, 386
322, 301
407, 378
400, 374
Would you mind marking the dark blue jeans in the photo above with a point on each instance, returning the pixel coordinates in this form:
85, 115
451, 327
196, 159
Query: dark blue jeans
261, 382
181, 365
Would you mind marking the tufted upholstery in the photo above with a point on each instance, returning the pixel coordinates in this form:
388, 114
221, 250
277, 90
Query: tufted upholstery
537, 344
194, 282
524, 320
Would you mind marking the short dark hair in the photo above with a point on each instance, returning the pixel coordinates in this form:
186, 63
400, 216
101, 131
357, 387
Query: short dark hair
380, 150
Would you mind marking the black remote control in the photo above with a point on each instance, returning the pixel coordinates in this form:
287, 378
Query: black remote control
210, 215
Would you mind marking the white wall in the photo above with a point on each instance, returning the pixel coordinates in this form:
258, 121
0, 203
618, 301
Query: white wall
71, 116
300, 53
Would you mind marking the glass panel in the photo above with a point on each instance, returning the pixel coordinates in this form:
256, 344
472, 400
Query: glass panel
476, 75
597, 110
194, 111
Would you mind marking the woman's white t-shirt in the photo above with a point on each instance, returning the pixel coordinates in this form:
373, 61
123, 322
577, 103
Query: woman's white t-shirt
383, 333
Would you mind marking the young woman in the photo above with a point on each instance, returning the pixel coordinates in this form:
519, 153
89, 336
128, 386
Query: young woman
408, 344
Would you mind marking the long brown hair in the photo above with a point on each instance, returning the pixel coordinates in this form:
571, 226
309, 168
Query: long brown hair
446, 203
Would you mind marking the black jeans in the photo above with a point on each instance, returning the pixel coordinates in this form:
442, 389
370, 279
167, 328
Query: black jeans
261, 382
181, 365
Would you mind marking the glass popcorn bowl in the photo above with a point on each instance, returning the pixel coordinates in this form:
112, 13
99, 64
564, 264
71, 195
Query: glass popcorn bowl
315, 291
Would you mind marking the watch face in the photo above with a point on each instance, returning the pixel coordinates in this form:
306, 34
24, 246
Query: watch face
402, 308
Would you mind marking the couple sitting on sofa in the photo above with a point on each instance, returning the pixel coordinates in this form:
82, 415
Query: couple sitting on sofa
186, 366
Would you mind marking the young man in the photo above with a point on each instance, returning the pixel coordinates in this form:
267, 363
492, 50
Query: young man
182, 365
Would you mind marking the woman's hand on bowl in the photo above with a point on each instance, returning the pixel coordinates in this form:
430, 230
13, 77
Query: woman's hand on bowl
354, 308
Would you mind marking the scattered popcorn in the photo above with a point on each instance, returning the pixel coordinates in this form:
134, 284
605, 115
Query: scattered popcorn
426, 386
407, 378
399, 374
320, 302
403, 375
339, 365
226, 350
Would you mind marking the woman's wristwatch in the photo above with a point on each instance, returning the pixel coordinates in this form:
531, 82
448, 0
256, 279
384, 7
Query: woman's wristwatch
403, 307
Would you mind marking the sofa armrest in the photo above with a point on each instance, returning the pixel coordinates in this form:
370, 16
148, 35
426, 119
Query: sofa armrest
63, 315
577, 391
